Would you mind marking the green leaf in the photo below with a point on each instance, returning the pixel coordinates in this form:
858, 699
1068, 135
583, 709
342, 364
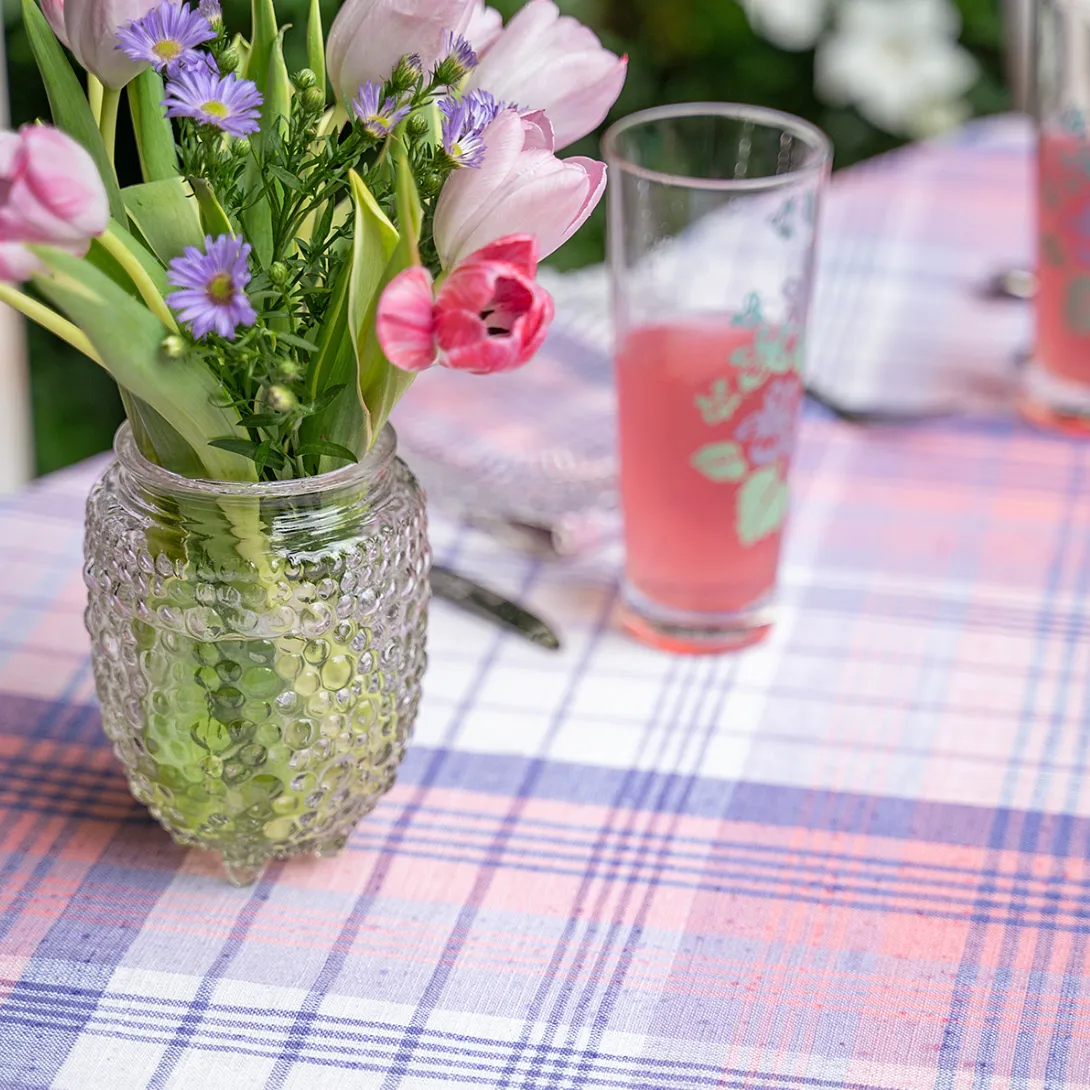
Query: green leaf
244, 448
158, 441
297, 342
762, 506
166, 215
326, 449
262, 42
374, 242
720, 462
284, 176
316, 43
213, 218
67, 101
261, 420
382, 384
154, 133
327, 398
334, 365
128, 338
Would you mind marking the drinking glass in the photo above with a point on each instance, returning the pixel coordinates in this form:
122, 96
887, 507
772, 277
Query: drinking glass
712, 216
1057, 382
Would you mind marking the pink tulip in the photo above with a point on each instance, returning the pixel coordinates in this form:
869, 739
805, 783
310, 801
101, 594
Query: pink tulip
92, 26
53, 10
546, 61
484, 28
520, 188
50, 192
369, 37
490, 314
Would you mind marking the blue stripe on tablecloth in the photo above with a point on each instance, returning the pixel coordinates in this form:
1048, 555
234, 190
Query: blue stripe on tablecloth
776, 805
336, 1042
426, 773
77, 954
1002, 836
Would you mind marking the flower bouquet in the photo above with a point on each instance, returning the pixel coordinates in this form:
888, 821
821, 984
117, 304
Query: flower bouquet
256, 555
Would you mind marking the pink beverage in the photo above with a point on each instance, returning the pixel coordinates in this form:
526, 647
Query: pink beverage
1063, 267
708, 411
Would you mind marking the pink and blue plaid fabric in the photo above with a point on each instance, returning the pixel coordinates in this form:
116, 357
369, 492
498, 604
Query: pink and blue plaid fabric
854, 858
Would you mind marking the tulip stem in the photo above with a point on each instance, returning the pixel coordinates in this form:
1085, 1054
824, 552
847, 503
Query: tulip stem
143, 283
107, 122
49, 319
94, 97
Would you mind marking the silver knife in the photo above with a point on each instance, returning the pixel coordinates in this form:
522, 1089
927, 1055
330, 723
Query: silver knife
485, 603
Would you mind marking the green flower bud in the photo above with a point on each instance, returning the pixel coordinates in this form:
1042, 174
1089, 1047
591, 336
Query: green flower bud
289, 371
242, 147
304, 78
280, 399
407, 74
229, 61
279, 273
174, 348
313, 99
418, 125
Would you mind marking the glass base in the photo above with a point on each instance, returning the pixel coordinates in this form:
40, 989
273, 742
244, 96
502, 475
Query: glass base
690, 633
1054, 403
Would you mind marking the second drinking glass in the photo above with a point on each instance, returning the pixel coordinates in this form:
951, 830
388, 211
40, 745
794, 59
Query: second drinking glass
713, 211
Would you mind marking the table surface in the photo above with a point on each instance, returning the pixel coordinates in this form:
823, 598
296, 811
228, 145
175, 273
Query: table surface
854, 857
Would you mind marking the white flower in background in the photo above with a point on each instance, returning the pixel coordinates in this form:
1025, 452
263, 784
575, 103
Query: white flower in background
790, 24
899, 63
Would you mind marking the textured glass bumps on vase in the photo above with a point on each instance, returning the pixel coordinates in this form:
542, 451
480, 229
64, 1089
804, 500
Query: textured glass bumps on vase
258, 649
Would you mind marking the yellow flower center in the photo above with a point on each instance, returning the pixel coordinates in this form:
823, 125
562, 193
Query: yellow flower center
221, 289
215, 109
166, 49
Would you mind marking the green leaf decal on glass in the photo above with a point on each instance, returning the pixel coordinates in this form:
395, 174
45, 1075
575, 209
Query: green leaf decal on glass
1078, 305
762, 506
1052, 250
718, 405
720, 462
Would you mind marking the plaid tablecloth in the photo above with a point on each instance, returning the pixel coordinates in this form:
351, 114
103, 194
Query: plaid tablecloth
854, 858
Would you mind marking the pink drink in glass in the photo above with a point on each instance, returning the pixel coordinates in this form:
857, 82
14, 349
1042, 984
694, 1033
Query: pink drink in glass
708, 414
1063, 299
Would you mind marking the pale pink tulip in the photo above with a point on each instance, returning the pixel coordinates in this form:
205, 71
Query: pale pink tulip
53, 10
490, 315
547, 61
369, 37
92, 26
520, 188
484, 28
50, 192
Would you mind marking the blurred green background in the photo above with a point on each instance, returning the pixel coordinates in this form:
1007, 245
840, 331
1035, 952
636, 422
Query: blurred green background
680, 50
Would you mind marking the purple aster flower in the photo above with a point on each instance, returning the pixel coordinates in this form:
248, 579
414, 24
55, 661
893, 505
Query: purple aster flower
229, 103
377, 117
458, 51
212, 287
464, 122
212, 11
165, 37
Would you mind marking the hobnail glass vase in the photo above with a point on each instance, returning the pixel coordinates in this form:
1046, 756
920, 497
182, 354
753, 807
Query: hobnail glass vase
258, 648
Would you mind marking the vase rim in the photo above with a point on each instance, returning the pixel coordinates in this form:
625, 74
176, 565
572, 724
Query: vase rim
156, 477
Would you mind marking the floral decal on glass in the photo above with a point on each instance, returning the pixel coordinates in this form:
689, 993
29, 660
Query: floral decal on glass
755, 457
769, 433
